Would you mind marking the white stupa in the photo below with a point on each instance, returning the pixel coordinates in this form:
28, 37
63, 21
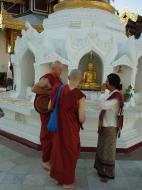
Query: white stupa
70, 33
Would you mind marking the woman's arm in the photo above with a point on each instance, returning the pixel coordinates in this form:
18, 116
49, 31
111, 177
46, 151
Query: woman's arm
108, 104
81, 110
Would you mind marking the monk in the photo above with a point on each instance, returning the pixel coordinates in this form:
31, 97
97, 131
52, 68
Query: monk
71, 116
47, 82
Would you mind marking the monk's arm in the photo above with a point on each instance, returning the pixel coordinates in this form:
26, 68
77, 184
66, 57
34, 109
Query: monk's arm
50, 105
42, 87
82, 110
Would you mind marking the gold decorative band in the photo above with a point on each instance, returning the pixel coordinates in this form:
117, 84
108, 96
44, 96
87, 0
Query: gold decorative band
71, 4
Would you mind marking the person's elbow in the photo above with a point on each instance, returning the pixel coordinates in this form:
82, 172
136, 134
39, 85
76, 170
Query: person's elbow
82, 118
33, 89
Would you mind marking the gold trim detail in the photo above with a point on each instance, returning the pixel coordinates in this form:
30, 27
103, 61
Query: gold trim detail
7, 21
71, 4
124, 17
38, 27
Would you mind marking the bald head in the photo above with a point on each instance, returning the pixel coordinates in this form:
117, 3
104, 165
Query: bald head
75, 75
57, 68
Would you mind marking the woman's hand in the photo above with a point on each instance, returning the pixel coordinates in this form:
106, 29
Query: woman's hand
103, 87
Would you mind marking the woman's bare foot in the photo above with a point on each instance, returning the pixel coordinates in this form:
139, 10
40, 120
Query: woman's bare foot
46, 165
56, 182
71, 186
105, 179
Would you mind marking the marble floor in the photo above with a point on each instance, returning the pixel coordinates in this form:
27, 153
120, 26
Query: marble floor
20, 169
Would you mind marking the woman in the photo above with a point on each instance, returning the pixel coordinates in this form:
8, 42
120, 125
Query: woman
66, 145
108, 129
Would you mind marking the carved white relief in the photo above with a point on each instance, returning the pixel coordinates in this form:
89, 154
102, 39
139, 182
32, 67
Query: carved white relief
123, 60
85, 17
100, 42
125, 71
69, 35
138, 48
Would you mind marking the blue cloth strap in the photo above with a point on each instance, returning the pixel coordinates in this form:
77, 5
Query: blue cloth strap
58, 95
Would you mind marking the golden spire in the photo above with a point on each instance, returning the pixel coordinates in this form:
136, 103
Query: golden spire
72, 4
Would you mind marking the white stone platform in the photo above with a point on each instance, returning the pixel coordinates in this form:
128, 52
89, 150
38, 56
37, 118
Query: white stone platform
22, 120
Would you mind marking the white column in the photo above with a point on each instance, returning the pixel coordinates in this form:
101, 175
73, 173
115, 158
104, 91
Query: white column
106, 71
37, 72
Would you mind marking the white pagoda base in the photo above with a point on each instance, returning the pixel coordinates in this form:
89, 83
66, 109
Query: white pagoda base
23, 122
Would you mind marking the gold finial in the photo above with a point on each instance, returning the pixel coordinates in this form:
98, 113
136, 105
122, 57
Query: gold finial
91, 57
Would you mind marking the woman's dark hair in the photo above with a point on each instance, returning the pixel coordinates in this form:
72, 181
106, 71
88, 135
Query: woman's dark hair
114, 80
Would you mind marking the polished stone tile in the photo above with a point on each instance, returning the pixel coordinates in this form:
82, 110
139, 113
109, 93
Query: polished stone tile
38, 169
38, 179
89, 163
13, 179
5, 166
2, 175
81, 179
134, 182
53, 187
32, 187
20, 169
10, 187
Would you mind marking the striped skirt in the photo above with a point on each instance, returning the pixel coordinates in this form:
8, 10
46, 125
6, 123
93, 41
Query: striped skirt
106, 152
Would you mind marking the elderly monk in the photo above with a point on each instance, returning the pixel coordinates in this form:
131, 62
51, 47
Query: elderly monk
42, 87
71, 116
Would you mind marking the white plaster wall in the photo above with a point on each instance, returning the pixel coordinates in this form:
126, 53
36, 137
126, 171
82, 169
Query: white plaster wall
138, 82
125, 75
44, 68
27, 72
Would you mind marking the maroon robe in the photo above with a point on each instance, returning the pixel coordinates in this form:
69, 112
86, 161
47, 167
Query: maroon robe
46, 137
66, 147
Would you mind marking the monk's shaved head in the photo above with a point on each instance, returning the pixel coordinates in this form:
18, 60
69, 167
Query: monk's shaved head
75, 75
57, 68
56, 64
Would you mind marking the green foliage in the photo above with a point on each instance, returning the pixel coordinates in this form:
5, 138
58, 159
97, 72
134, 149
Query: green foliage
128, 93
